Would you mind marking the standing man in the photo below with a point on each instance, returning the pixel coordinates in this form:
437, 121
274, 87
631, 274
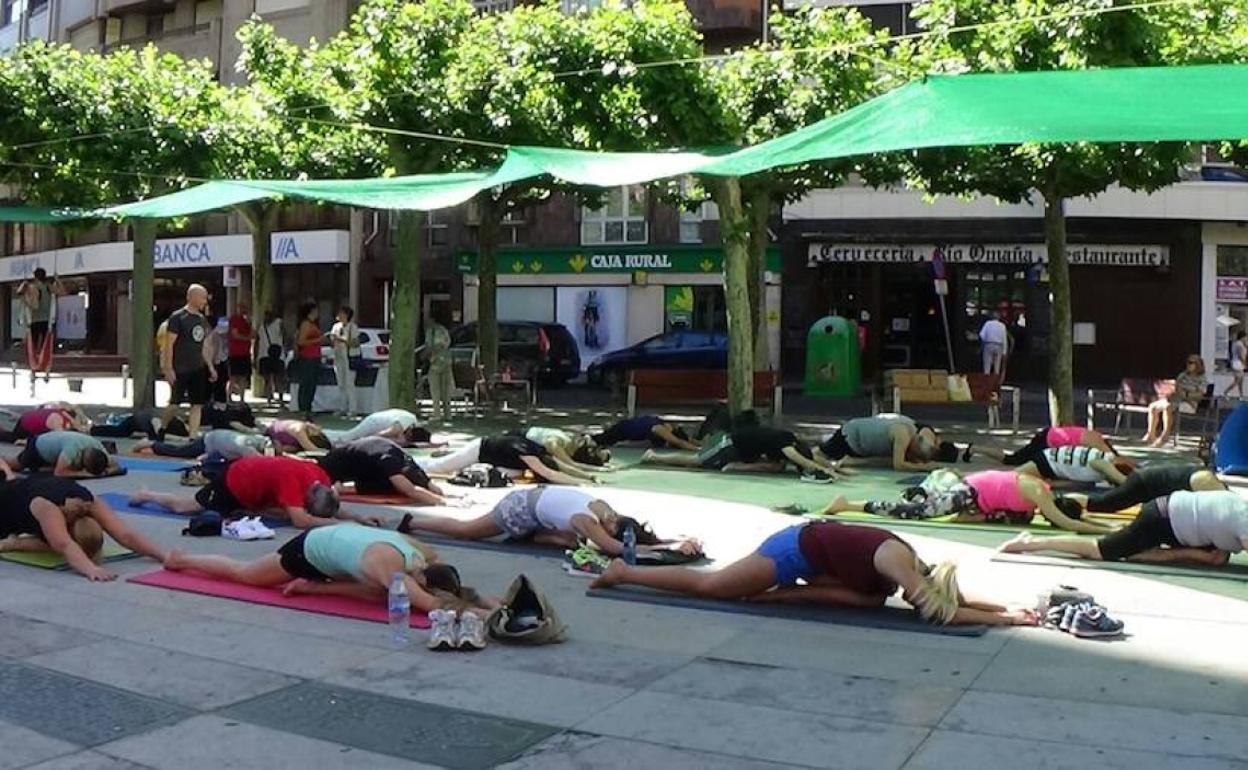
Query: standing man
239, 344
441, 376
995, 339
184, 359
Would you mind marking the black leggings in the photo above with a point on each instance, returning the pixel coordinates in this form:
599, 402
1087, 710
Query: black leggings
1031, 452
1151, 529
1143, 485
131, 425
192, 448
961, 499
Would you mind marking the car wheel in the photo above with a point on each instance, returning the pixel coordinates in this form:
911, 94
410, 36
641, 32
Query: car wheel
613, 379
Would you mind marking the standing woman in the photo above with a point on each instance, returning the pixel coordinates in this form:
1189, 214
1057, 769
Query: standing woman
272, 342
308, 355
441, 373
1239, 362
345, 337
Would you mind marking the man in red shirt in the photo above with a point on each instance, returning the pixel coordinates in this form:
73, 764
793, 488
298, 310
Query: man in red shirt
240, 336
281, 487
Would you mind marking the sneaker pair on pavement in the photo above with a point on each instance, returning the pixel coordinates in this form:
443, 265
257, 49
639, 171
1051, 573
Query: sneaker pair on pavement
249, 528
817, 477
1083, 619
453, 630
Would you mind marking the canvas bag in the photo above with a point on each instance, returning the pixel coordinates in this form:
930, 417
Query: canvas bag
526, 617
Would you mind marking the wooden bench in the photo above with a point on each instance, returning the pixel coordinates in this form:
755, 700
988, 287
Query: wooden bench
986, 391
1133, 396
696, 386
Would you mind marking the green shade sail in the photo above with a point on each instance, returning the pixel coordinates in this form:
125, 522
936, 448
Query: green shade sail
1138, 104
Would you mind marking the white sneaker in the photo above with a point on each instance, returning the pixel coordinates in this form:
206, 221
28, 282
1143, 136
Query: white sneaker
258, 529
235, 530
442, 632
470, 632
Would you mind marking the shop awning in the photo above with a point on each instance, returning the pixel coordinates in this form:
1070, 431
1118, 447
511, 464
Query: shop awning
1145, 104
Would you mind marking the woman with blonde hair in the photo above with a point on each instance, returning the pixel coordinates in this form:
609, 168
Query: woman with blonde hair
841, 564
1190, 386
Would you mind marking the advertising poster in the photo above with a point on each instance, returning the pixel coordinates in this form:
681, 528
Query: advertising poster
678, 307
597, 316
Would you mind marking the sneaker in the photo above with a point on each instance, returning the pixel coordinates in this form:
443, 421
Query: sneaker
470, 632
234, 530
258, 529
1067, 594
586, 562
1053, 618
1069, 610
1092, 622
817, 477
442, 632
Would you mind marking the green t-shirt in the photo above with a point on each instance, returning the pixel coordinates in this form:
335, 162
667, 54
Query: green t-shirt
338, 550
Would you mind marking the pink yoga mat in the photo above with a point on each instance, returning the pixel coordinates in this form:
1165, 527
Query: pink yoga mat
340, 606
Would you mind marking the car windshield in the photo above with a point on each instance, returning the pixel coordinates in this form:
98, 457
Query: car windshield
662, 342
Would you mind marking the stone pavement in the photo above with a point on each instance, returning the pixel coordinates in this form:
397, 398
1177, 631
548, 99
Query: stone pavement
122, 676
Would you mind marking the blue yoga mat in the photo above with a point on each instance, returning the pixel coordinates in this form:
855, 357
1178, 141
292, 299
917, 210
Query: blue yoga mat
145, 464
120, 502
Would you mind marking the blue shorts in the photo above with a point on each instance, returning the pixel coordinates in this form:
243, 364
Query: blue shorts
783, 550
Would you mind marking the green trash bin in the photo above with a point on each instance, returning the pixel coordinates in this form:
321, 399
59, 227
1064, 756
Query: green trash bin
833, 363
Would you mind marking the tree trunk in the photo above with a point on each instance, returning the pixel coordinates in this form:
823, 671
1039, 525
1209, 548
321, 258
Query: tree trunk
405, 309
142, 335
261, 219
1061, 353
758, 209
488, 231
734, 229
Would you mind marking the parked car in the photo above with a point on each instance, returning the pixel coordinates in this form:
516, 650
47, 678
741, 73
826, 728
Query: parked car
374, 347
546, 351
682, 349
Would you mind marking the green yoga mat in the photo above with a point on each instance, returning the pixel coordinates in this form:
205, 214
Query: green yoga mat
1237, 572
53, 560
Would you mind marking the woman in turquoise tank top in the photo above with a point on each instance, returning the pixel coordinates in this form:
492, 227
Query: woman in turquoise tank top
346, 560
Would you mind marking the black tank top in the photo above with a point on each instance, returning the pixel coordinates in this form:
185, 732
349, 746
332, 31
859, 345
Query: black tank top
16, 496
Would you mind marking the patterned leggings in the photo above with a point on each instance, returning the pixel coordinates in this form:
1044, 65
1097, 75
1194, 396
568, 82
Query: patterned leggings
959, 499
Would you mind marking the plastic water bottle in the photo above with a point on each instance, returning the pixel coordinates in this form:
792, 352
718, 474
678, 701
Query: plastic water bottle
400, 611
630, 545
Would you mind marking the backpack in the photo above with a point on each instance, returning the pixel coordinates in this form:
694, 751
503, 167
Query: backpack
525, 617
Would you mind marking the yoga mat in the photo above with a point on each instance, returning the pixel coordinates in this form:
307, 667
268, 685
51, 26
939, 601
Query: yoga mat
338, 606
53, 560
514, 547
1038, 524
891, 618
120, 502
136, 463
396, 499
911, 481
1235, 572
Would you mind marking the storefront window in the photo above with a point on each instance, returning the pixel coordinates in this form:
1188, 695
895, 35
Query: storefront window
1232, 301
696, 308
621, 219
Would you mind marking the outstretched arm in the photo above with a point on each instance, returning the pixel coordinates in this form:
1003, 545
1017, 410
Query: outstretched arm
52, 522
542, 471
131, 538
669, 437
419, 495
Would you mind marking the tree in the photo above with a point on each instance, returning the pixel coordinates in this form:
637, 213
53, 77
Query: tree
82, 130
542, 77
1020, 35
810, 68
288, 122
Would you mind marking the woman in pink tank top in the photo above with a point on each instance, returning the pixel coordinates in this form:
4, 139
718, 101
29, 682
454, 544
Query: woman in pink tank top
1050, 438
985, 497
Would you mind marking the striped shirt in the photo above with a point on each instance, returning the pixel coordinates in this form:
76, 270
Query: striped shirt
1074, 463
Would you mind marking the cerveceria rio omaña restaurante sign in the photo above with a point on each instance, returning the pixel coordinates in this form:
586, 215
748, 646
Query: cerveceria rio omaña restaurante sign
609, 259
1102, 255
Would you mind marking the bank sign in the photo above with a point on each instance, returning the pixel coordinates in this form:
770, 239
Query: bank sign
654, 259
1116, 255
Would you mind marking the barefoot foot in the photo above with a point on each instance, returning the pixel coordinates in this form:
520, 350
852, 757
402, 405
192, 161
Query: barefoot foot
837, 505
295, 587
1018, 544
141, 497
175, 560
613, 576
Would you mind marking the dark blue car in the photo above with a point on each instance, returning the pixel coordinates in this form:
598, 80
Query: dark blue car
674, 350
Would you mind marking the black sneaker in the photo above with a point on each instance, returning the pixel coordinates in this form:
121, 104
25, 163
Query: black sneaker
817, 477
1069, 594
1093, 622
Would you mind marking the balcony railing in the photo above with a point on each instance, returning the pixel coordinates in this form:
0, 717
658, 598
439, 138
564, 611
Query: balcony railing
156, 37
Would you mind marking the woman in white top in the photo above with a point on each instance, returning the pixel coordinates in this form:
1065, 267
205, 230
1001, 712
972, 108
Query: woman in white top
574, 452
345, 337
1080, 463
398, 425
270, 349
1239, 361
551, 515
1195, 527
